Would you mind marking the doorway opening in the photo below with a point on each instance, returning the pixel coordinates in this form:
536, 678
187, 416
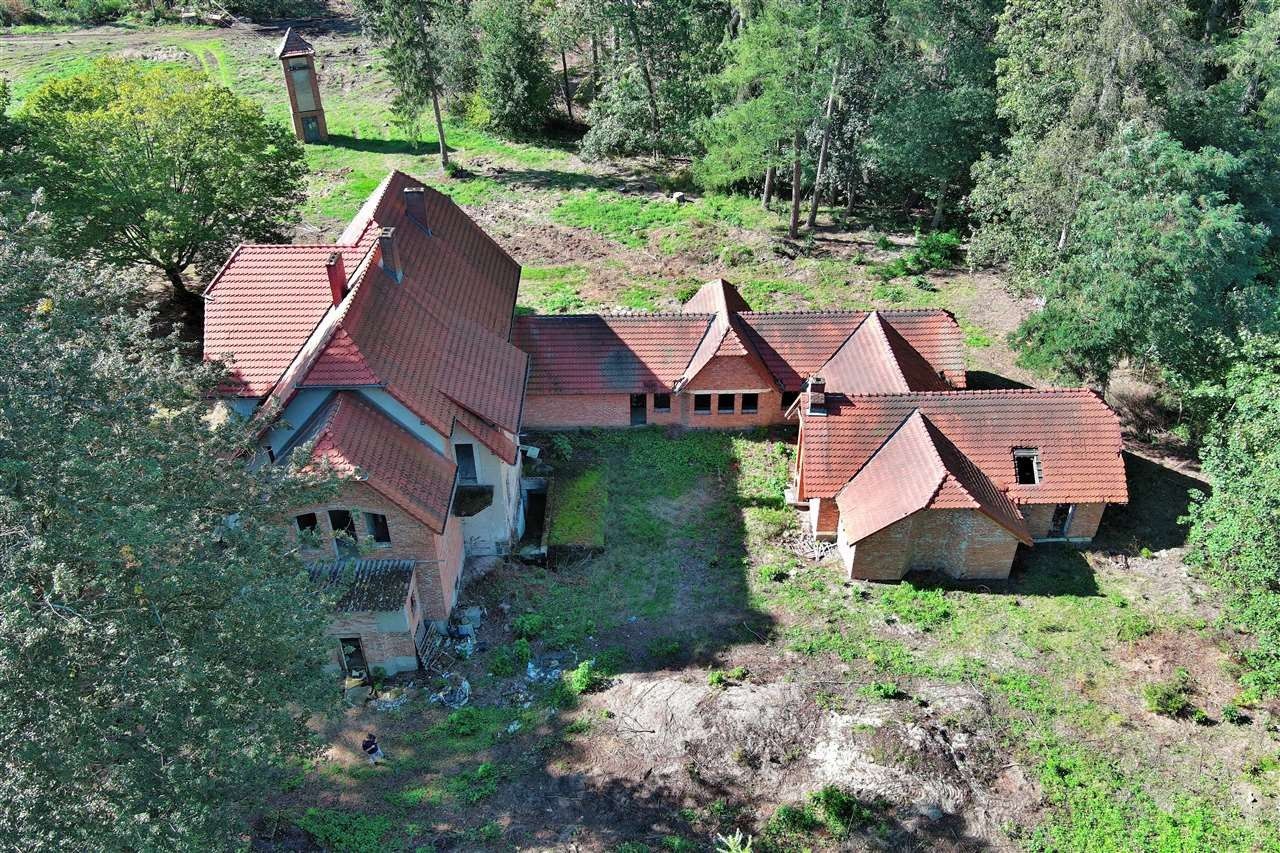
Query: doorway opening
639, 409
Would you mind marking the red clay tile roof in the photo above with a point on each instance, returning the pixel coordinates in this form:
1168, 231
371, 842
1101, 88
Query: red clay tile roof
647, 353
262, 306
714, 297
608, 354
1077, 434
358, 440
293, 44
876, 359
726, 336
796, 344
917, 468
341, 364
437, 338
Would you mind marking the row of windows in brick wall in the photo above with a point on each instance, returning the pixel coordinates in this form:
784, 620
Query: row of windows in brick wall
346, 538
725, 404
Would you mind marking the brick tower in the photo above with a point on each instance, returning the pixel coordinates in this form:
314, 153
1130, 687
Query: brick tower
298, 59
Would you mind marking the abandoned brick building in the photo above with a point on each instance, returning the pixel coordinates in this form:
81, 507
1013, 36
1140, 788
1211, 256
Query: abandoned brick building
396, 357
386, 354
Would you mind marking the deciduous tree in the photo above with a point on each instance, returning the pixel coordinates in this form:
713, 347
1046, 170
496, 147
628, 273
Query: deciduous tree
160, 649
158, 165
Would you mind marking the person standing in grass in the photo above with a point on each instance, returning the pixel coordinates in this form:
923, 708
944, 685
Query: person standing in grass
371, 748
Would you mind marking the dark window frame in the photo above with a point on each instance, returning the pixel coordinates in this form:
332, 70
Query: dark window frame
788, 398
662, 406
698, 407
313, 527
468, 474
379, 531
720, 401
349, 546
750, 404
1027, 470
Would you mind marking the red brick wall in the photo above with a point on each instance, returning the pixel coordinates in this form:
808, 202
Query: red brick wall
731, 373
1084, 523
960, 542
561, 411
378, 645
410, 540
437, 582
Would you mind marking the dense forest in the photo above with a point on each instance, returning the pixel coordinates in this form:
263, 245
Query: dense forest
1116, 161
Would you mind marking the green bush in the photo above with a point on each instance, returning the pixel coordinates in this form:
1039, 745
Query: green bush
530, 626
472, 786
881, 690
1170, 698
840, 813
1133, 626
510, 659
585, 678
345, 832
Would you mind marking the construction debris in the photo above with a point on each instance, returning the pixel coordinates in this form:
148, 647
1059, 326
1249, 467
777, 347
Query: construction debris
456, 692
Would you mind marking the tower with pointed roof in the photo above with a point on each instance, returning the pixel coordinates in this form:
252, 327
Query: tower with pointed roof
297, 56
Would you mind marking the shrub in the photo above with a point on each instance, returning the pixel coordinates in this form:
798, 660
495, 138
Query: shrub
472, 786
772, 574
1133, 626
884, 243
530, 626
938, 250
1170, 698
721, 679
840, 813
881, 690
1233, 715
510, 659
345, 832
585, 678
732, 256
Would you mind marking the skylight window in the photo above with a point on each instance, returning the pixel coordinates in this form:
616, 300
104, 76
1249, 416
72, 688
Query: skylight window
1026, 466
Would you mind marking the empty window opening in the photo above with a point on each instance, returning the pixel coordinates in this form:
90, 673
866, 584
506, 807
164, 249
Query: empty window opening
345, 538
702, 404
1061, 522
1026, 466
639, 409
307, 522
750, 403
662, 402
466, 455
376, 522
353, 660
724, 405
789, 397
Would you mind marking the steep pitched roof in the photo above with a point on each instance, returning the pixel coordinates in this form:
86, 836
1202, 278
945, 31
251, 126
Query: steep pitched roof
1076, 433
714, 297
358, 440
646, 353
876, 359
293, 44
796, 344
917, 468
437, 337
610, 353
726, 336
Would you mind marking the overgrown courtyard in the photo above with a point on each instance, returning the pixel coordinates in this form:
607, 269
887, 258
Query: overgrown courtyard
716, 680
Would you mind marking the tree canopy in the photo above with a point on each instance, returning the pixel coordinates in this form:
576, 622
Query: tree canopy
160, 652
158, 165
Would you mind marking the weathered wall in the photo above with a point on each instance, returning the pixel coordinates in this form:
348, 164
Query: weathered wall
732, 373
386, 638
438, 582
491, 530
1084, 522
963, 543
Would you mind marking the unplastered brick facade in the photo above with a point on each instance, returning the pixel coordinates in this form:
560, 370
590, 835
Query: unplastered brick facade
386, 359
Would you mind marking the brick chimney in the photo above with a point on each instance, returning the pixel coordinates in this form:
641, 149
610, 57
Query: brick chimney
816, 397
415, 204
337, 277
390, 257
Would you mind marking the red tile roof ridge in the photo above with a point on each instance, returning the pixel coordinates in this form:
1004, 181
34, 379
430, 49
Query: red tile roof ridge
850, 311
643, 315
974, 392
